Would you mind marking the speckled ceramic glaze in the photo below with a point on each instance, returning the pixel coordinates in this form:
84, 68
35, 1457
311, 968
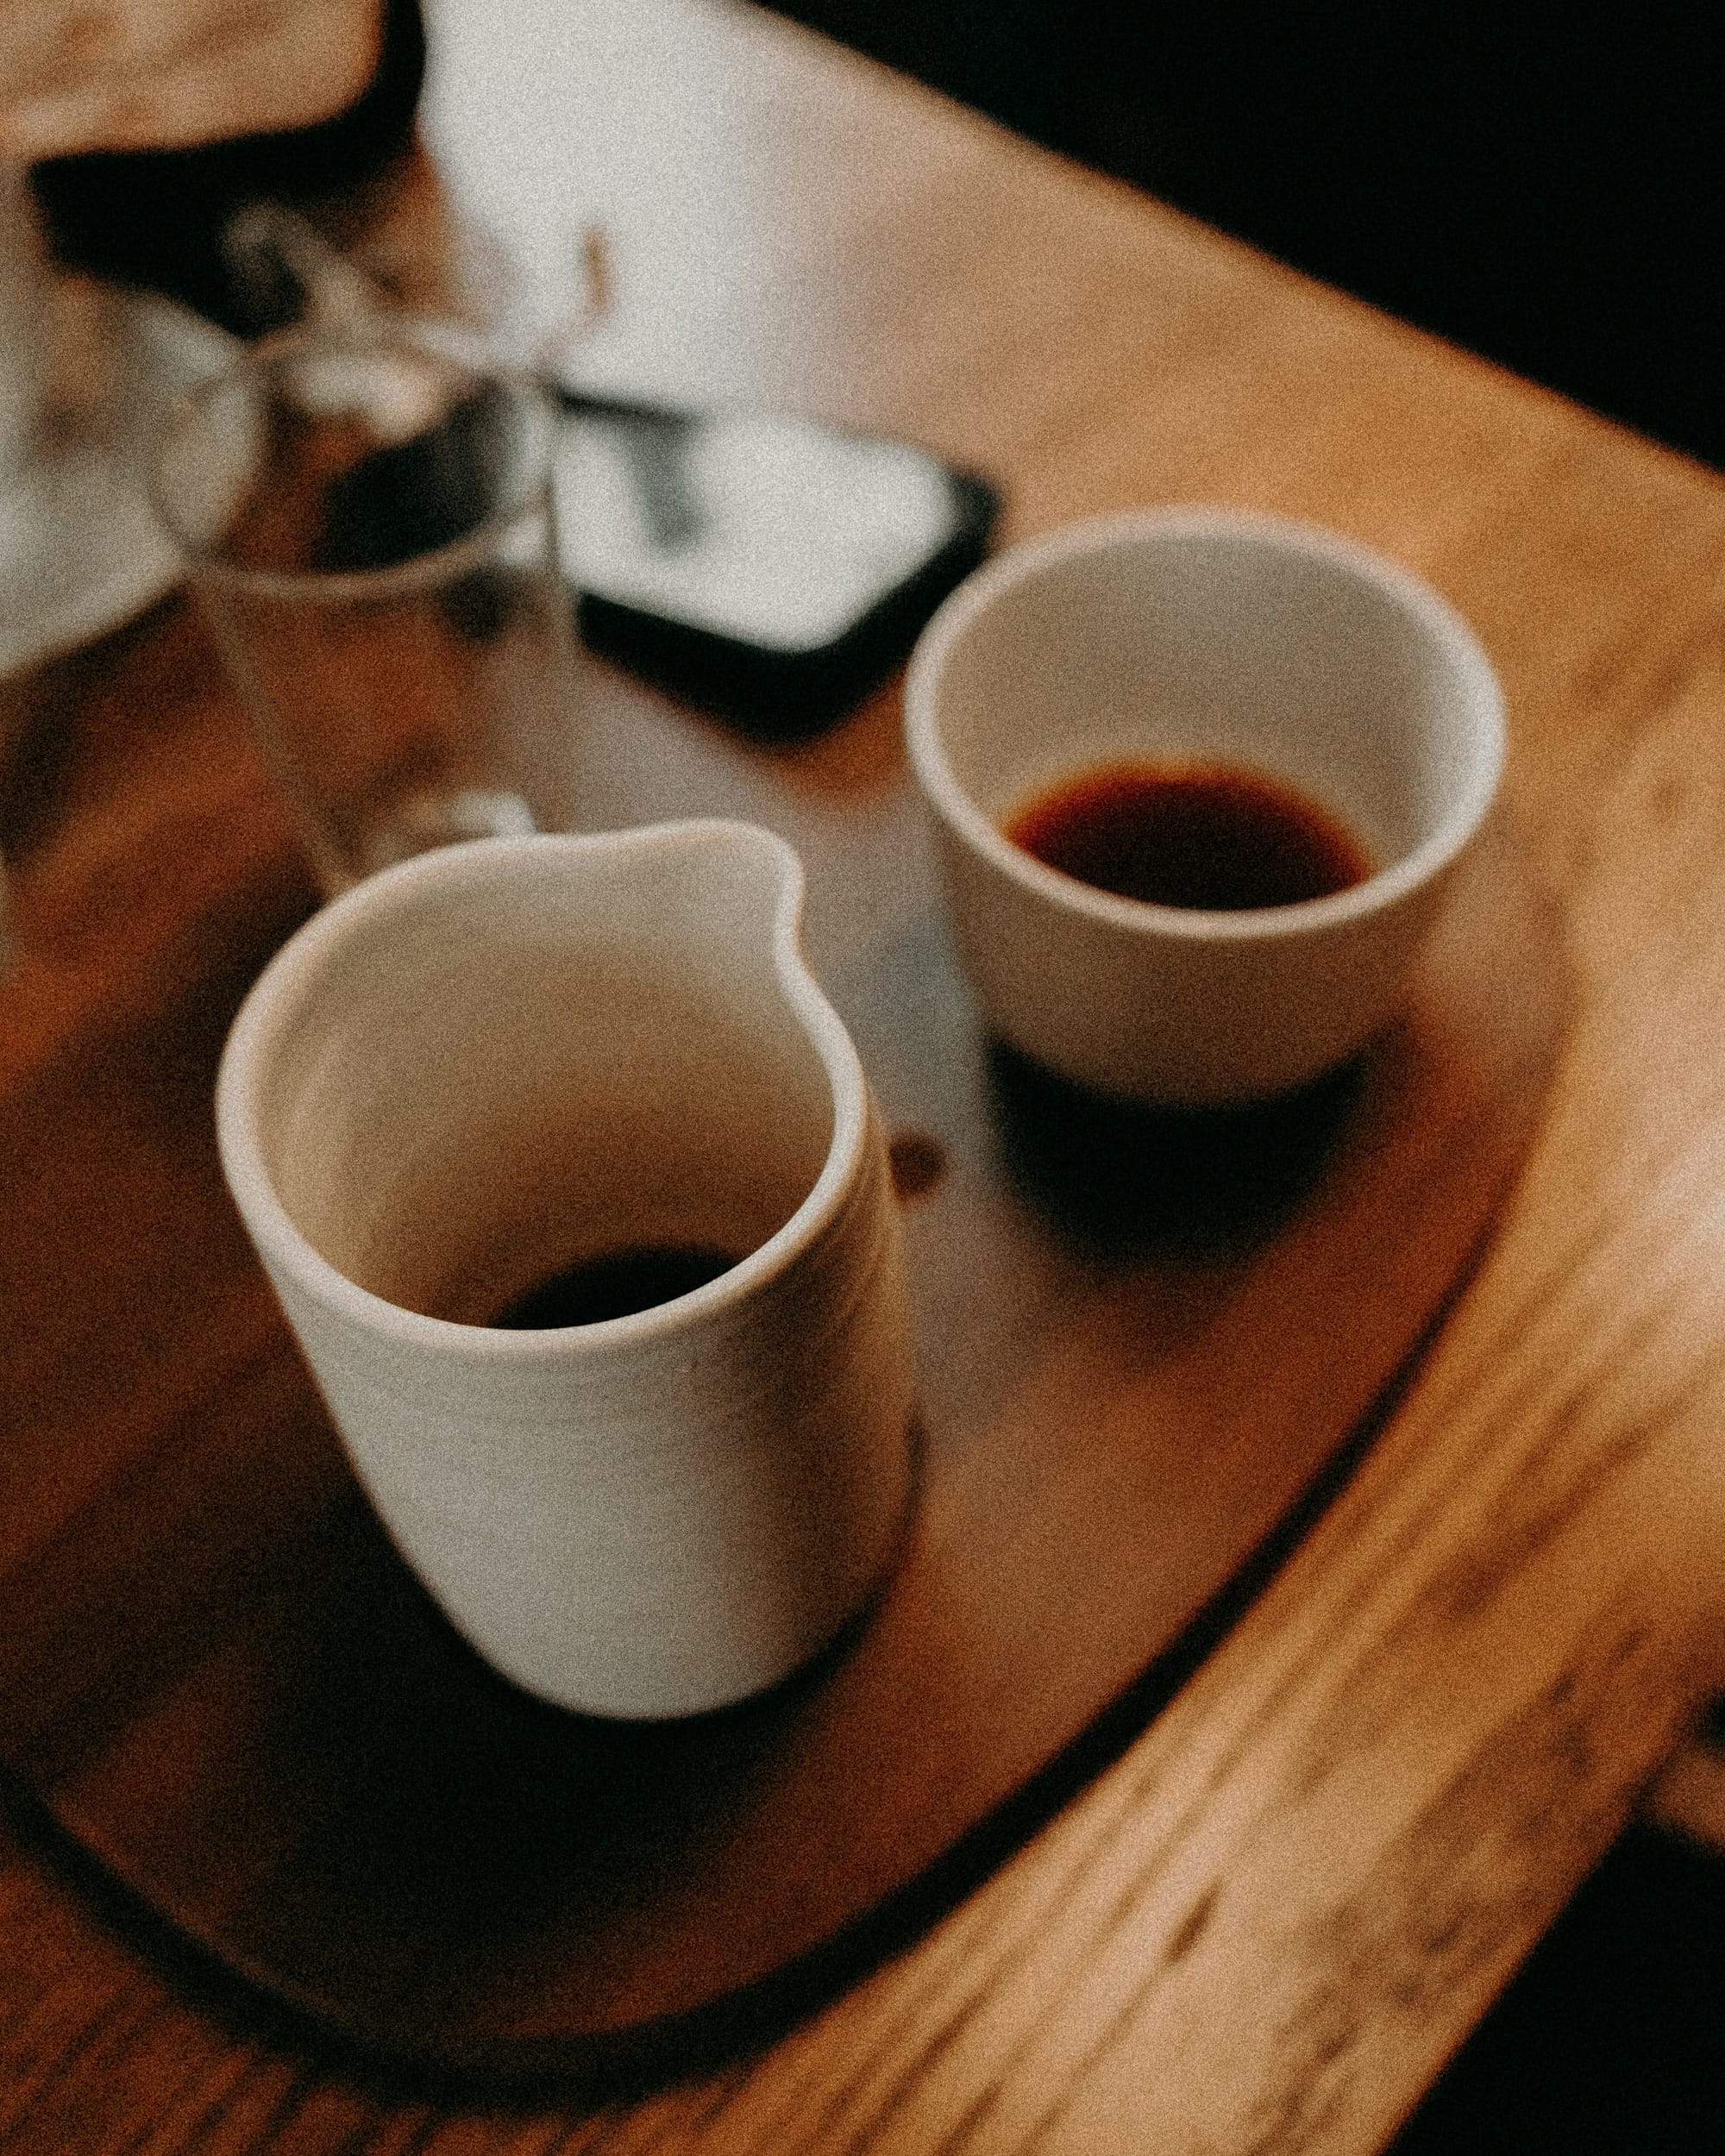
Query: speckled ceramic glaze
499, 1060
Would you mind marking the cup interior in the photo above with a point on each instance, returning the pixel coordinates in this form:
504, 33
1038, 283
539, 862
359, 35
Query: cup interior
524, 1058
1207, 638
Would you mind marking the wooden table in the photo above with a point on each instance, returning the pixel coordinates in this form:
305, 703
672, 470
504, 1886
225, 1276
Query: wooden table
1267, 1925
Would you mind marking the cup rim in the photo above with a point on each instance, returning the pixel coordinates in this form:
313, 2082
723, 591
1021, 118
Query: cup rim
293, 974
442, 339
1254, 527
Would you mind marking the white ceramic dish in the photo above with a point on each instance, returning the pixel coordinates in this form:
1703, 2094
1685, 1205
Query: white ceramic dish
81, 550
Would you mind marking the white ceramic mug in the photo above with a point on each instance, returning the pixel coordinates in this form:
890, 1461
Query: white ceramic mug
1191, 638
501, 1060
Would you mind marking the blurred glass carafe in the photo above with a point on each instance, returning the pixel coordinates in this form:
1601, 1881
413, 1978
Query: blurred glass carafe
366, 513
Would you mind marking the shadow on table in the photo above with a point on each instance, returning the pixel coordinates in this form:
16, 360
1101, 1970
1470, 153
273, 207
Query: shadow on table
1196, 1183
1611, 2040
1544, 199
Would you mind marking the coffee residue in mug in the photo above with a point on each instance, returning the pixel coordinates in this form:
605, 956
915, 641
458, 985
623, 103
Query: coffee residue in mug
614, 1284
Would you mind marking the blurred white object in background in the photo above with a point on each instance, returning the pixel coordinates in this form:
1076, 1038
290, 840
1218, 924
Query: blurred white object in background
23, 328
87, 373
83, 369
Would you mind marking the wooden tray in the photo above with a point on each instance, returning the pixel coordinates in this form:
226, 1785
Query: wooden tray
1149, 1348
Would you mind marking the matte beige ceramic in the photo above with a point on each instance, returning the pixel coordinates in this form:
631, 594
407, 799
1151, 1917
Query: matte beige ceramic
499, 1059
1199, 635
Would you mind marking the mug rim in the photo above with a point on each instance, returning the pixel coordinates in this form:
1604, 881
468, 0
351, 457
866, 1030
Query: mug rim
292, 974
441, 339
1252, 529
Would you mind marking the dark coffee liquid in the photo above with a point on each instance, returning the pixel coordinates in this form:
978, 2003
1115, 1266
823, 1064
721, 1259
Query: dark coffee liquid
1211, 837
616, 1284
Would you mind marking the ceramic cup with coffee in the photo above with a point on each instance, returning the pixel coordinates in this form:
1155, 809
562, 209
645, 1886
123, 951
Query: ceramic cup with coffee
1201, 780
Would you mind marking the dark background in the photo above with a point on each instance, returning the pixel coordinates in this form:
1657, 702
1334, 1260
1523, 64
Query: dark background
1539, 184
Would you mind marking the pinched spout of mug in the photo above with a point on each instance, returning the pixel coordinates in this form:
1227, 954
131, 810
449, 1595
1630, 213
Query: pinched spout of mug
571, 1184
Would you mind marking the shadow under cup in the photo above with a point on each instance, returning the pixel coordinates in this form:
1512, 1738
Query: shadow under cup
506, 1059
368, 519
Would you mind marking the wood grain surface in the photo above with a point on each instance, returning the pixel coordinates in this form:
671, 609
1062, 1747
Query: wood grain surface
1265, 1924
1143, 1341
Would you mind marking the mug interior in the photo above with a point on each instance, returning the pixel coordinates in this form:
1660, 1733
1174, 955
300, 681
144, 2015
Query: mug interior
1218, 641
522, 1068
